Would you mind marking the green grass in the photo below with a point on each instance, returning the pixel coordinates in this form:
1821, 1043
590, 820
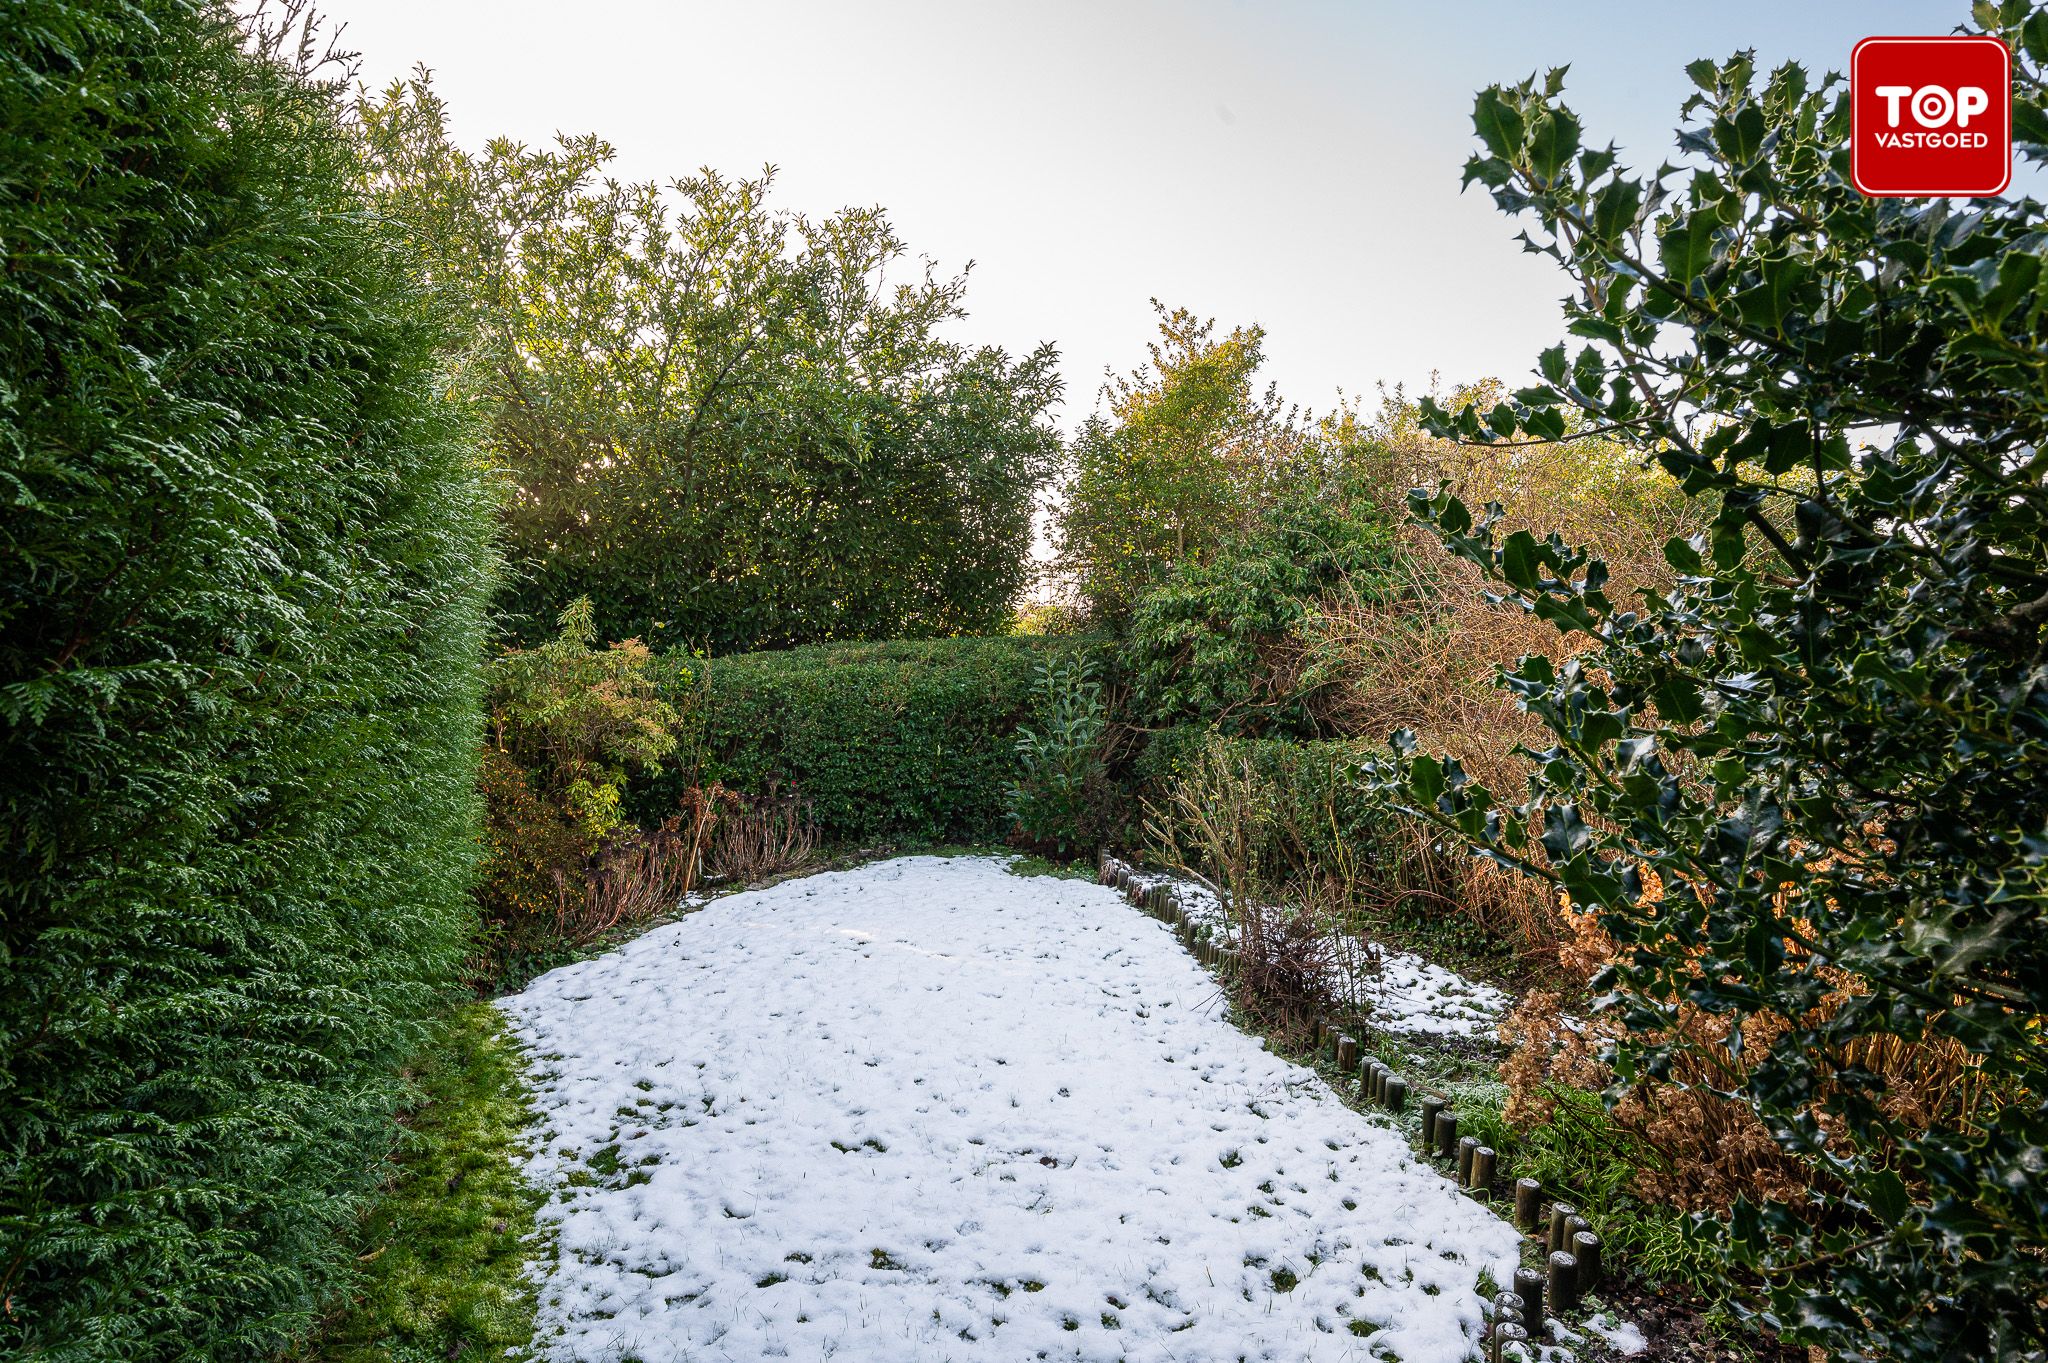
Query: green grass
1028, 864
443, 1251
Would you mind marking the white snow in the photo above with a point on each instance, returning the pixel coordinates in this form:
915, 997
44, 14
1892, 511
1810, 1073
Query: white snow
1622, 1336
1406, 994
931, 1110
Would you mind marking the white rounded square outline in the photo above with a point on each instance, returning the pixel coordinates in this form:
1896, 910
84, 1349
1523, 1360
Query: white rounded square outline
1855, 176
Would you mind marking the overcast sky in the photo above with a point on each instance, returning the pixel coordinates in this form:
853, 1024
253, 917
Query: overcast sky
1294, 164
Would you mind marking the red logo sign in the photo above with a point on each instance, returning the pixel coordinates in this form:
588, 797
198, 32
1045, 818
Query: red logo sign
1930, 117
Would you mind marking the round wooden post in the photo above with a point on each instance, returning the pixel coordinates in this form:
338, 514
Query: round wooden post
1466, 1145
1347, 1054
1564, 1282
1482, 1170
1395, 1092
1505, 1333
1529, 1287
1369, 1079
1528, 1203
1586, 1249
1446, 1135
1561, 1214
1431, 1108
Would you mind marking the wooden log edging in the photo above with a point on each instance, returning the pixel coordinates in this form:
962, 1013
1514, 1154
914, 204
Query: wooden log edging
1156, 899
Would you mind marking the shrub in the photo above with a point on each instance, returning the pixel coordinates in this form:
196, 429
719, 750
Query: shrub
909, 738
1221, 642
1060, 769
578, 719
242, 602
1422, 654
569, 724
1803, 792
756, 836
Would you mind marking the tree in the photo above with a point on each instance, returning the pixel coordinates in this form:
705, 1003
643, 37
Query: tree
721, 422
1188, 449
1806, 790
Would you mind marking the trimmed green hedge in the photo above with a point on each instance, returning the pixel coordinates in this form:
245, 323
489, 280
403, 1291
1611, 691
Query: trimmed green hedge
241, 596
905, 738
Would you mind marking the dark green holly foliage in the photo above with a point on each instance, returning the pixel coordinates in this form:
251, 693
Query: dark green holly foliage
905, 739
240, 604
1218, 641
1829, 742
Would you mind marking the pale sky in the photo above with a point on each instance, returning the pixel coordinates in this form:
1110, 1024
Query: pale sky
1294, 164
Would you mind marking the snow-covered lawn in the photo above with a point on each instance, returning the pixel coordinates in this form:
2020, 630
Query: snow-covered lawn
929, 1109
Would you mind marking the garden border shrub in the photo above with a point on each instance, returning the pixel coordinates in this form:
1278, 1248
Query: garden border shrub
899, 738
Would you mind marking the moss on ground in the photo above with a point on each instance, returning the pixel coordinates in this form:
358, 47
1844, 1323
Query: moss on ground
444, 1251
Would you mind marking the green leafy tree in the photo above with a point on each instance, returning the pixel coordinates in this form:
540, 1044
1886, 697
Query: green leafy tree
722, 423
1188, 448
241, 608
1828, 743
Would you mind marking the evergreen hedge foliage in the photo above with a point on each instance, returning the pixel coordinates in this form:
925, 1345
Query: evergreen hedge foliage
905, 738
240, 611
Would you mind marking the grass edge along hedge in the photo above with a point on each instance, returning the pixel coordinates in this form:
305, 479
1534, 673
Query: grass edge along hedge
240, 612
912, 738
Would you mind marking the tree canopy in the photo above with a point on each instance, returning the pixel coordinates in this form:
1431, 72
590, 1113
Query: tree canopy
722, 422
1189, 447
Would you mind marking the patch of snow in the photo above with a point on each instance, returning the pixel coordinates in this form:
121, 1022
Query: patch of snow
1407, 993
1622, 1336
928, 1109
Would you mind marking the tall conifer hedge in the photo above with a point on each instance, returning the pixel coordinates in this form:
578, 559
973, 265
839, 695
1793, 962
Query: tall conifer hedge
243, 560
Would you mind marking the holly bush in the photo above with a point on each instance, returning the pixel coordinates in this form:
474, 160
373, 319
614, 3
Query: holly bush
1806, 789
